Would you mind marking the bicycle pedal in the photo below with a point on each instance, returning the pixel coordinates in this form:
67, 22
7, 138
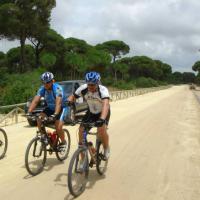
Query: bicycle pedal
92, 163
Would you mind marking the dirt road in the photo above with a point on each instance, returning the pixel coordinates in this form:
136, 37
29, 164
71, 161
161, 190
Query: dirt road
155, 154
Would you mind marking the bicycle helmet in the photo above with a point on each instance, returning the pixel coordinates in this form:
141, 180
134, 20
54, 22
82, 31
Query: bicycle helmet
92, 77
47, 77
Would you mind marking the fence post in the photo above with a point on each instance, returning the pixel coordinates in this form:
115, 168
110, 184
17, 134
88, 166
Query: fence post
16, 115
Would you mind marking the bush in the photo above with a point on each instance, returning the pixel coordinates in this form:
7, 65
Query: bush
20, 87
143, 82
124, 85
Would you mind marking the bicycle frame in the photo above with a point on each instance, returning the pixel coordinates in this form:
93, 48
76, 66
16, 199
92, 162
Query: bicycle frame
43, 135
79, 164
43, 143
87, 145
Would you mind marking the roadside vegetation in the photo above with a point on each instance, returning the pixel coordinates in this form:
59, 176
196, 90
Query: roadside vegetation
69, 58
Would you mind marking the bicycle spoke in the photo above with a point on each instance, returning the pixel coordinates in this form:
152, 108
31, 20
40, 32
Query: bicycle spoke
78, 172
35, 156
63, 153
101, 161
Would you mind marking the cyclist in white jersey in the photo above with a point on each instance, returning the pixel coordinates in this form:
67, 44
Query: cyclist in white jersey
97, 98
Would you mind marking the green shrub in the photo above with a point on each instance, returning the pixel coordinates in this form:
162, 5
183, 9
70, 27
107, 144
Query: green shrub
20, 87
143, 82
122, 85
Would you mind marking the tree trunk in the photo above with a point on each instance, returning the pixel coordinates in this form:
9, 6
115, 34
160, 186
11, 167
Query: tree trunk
37, 55
22, 52
115, 74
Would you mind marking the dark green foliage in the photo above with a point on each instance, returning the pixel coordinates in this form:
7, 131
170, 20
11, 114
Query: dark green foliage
115, 47
196, 66
122, 85
68, 58
20, 87
47, 60
24, 19
13, 59
188, 77
143, 82
75, 45
197, 80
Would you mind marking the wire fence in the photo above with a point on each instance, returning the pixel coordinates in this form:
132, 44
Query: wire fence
123, 94
12, 114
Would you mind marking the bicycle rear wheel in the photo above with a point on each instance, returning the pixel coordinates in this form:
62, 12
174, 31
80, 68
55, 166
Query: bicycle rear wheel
3, 143
35, 157
62, 154
102, 163
78, 172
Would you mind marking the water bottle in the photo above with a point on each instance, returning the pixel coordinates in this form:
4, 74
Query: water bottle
53, 137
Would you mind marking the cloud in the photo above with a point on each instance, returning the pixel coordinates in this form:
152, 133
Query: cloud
167, 30
5, 45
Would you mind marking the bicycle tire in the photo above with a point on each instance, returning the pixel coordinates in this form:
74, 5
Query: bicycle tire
83, 174
42, 149
68, 140
5, 143
101, 163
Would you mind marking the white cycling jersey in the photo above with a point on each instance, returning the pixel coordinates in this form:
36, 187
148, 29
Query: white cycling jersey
94, 99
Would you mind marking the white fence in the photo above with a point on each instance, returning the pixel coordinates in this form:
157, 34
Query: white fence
123, 94
14, 116
17, 110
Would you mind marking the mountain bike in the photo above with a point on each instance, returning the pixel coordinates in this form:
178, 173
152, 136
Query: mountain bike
43, 142
3, 143
77, 177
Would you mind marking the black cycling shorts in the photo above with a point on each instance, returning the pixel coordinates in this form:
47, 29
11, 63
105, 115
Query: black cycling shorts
61, 116
91, 117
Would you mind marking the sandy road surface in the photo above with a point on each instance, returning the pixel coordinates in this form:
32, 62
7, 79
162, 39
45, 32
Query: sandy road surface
155, 154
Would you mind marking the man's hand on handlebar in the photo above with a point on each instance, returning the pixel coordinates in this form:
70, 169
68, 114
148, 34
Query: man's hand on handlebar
53, 117
100, 122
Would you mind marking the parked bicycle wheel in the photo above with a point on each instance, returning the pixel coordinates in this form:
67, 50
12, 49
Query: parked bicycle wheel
35, 156
62, 154
78, 172
101, 164
3, 143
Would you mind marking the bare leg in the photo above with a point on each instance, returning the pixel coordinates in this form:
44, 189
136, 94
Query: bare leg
102, 133
80, 134
39, 123
59, 130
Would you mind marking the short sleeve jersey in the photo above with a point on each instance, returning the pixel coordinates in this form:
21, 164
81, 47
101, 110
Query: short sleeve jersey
93, 99
50, 96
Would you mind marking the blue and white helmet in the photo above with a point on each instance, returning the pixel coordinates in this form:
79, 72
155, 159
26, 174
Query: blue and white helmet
47, 77
92, 77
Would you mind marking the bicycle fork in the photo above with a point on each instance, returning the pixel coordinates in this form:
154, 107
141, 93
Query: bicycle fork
35, 149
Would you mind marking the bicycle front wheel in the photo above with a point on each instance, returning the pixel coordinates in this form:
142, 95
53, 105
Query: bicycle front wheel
102, 163
3, 143
62, 154
78, 172
35, 156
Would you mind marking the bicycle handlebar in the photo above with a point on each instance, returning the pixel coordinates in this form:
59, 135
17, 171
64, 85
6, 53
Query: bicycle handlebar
85, 124
38, 116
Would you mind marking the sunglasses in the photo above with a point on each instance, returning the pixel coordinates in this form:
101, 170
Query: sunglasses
46, 82
91, 84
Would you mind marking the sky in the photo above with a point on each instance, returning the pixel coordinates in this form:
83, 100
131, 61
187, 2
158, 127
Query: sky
167, 30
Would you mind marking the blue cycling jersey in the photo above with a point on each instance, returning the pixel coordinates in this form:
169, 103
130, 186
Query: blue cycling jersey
50, 96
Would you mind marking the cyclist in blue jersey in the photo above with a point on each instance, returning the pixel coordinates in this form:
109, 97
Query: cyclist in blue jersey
56, 104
